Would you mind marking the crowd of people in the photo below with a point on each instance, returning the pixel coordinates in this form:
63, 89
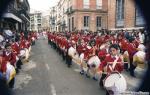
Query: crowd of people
15, 49
102, 52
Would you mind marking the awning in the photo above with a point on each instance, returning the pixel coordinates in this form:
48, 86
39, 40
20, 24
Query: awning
10, 15
25, 17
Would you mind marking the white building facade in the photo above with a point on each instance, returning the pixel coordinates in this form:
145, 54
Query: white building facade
36, 21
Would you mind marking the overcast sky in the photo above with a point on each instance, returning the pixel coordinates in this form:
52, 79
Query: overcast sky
42, 5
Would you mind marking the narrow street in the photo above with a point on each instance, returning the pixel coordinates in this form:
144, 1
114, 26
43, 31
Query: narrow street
47, 74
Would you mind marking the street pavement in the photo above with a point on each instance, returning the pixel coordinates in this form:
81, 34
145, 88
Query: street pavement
47, 74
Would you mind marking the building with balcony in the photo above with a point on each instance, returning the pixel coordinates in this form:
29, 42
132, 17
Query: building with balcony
24, 12
16, 15
36, 21
70, 15
124, 14
62, 17
53, 19
46, 22
87, 15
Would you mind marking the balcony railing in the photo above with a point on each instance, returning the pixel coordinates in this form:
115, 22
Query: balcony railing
86, 6
12, 9
70, 10
98, 7
17, 11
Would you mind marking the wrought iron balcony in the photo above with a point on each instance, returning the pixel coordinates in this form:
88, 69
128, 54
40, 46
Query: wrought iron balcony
11, 9
69, 11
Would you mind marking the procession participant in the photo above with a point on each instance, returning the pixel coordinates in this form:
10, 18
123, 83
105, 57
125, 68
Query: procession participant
22, 43
86, 38
64, 48
34, 34
91, 53
16, 49
131, 50
103, 50
28, 46
4, 90
10, 58
52, 39
139, 57
32, 38
3, 62
60, 44
21, 35
71, 52
75, 38
123, 43
49, 38
57, 40
24, 46
67, 46
98, 41
10, 75
136, 41
112, 62
81, 49
9, 54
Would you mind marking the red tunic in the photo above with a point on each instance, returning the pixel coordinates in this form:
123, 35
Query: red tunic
22, 44
10, 57
102, 54
3, 63
105, 63
16, 48
131, 49
27, 43
88, 53
81, 48
123, 44
99, 41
